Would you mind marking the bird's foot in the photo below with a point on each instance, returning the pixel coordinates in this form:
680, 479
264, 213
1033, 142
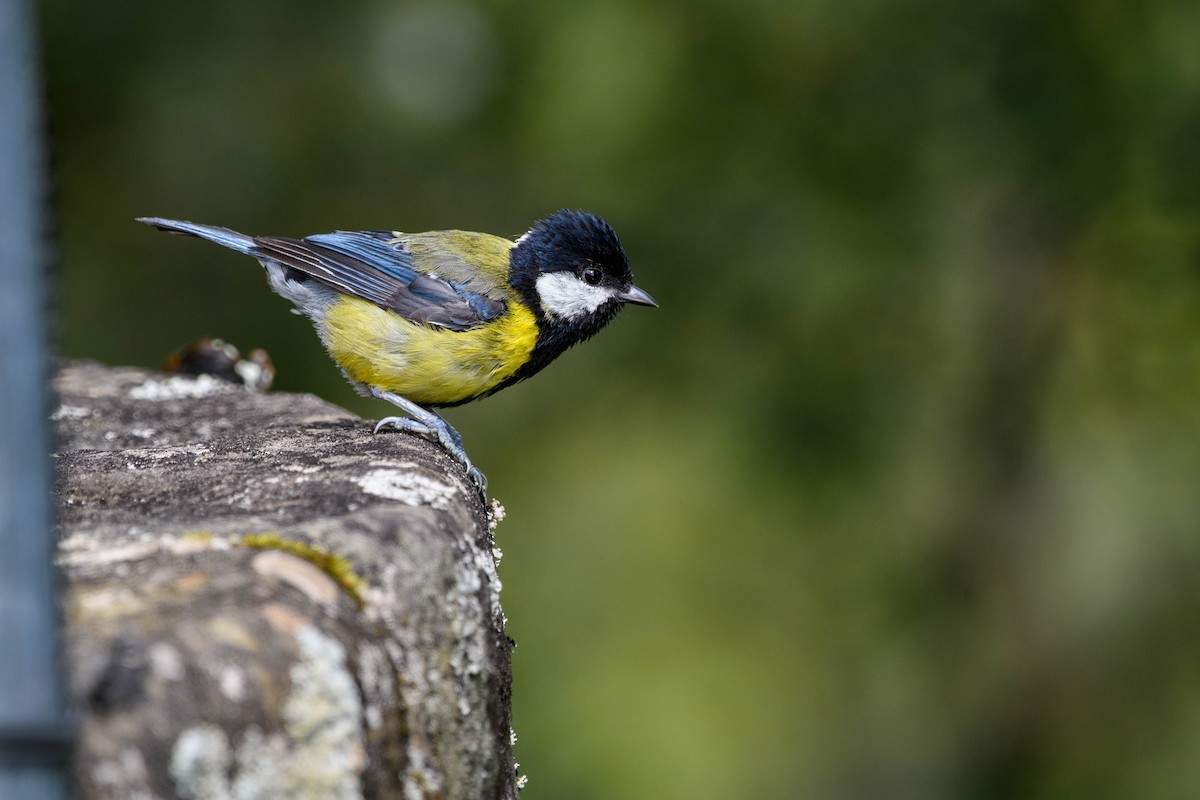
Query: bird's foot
431, 426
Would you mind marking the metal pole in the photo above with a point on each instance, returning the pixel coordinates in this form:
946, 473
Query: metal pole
34, 735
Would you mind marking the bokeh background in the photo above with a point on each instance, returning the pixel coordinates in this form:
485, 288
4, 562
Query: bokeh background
896, 495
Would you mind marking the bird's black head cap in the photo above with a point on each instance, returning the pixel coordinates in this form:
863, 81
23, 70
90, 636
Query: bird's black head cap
569, 240
572, 273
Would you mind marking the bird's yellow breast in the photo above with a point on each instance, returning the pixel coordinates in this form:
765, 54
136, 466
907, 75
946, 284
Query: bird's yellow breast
426, 364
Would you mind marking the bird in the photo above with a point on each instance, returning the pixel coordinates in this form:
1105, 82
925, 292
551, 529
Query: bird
441, 318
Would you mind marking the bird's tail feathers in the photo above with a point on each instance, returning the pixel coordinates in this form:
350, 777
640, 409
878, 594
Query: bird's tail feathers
222, 236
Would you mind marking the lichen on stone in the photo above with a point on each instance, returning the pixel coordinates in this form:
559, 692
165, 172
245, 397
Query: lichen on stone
323, 716
410, 488
319, 756
200, 763
180, 386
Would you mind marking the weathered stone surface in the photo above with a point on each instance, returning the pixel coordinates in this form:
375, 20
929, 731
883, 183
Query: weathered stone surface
265, 600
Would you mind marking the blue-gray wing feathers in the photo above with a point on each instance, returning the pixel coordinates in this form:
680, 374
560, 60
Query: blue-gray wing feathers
372, 265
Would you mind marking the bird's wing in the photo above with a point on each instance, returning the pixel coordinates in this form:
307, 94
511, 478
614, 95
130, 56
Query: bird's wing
477, 262
378, 267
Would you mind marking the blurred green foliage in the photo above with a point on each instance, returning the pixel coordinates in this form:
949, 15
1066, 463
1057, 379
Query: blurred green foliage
894, 496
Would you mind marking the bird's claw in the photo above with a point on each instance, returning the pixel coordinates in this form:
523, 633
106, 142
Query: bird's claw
406, 424
479, 479
453, 446
447, 437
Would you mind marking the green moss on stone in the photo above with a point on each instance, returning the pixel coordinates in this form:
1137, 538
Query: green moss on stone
331, 564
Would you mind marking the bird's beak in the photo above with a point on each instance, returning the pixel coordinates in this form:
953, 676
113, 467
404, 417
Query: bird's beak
638, 296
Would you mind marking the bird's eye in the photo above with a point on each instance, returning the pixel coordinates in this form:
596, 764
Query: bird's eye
592, 276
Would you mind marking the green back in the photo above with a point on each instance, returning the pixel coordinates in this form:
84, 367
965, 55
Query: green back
477, 261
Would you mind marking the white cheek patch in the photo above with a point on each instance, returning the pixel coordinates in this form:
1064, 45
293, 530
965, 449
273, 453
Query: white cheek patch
564, 295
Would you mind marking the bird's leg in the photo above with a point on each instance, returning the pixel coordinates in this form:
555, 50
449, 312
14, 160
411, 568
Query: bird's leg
430, 425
